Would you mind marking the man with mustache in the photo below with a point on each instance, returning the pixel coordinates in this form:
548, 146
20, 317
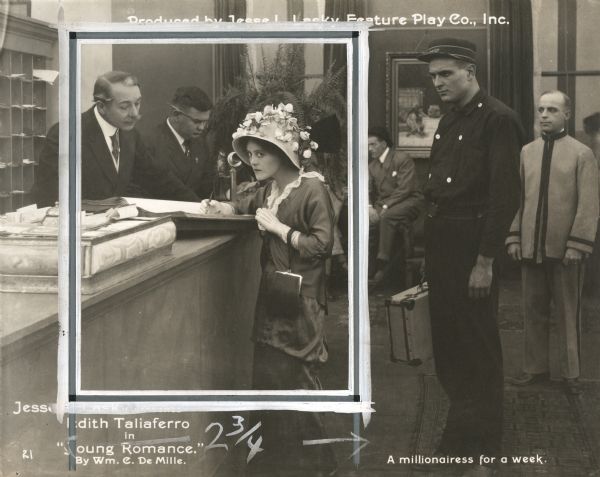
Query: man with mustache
472, 194
113, 155
551, 235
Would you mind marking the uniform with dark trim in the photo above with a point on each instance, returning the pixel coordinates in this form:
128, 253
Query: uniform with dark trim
559, 211
559, 207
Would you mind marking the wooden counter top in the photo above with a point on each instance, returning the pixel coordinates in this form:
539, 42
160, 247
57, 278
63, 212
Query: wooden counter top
24, 314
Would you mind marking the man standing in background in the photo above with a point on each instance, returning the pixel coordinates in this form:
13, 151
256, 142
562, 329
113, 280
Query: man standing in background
179, 142
472, 194
591, 126
551, 235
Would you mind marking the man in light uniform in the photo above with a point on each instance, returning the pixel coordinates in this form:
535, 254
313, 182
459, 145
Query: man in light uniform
551, 235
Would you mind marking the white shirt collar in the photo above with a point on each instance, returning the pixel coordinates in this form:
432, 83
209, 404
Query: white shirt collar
107, 129
384, 154
179, 138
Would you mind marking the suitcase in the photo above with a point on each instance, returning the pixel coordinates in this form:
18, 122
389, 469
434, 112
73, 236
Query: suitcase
410, 327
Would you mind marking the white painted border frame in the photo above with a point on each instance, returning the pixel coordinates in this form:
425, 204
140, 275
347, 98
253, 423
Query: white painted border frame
357, 139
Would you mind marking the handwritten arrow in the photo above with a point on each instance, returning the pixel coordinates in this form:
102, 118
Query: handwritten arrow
354, 438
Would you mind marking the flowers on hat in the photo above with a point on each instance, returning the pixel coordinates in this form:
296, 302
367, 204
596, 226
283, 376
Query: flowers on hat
287, 129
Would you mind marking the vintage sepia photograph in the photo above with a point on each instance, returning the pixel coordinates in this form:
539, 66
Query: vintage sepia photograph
252, 172
275, 266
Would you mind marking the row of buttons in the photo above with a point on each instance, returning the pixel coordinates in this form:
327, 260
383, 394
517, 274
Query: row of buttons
448, 179
460, 136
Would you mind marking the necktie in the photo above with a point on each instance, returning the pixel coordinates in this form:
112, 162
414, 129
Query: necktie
114, 139
187, 149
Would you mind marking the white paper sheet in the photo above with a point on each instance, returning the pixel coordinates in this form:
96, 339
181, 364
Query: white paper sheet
164, 206
49, 76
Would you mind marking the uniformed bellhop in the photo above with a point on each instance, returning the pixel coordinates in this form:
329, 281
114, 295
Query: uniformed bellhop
472, 193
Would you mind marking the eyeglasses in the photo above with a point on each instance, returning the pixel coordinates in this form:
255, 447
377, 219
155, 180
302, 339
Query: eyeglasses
197, 122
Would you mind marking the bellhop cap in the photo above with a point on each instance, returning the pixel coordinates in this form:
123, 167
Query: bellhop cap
455, 48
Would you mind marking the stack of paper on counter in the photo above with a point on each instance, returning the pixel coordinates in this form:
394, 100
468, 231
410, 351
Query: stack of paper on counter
165, 207
115, 240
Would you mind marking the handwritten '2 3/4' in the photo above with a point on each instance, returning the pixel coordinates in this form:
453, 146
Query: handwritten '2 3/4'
238, 426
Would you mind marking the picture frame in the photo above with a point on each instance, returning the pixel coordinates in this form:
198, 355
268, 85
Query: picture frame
80, 45
413, 107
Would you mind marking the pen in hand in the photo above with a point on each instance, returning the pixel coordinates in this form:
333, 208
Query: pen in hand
209, 204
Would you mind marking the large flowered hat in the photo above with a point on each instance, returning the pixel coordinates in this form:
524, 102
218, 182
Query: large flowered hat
277, 126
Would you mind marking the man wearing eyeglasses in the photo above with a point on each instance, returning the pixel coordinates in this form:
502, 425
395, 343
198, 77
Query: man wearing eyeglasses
113, 156
179, 143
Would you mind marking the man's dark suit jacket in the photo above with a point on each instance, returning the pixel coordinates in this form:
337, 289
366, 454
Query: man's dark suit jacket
394, 181
198, 172
99, 178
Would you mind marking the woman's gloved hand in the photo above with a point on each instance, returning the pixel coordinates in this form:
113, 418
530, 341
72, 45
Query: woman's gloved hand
269, 221
214, 207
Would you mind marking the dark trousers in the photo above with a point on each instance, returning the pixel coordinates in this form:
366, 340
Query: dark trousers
466, 341
399, 216
283, 432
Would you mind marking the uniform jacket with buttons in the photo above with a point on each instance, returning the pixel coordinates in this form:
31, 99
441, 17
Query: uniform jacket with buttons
475, 167
394, 181
559, 208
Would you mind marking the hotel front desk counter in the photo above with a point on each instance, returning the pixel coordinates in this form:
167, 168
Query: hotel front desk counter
184, 324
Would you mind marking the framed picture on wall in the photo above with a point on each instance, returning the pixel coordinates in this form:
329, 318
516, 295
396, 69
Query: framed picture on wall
414, 108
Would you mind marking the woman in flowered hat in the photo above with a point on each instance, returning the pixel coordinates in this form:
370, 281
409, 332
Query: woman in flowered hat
294, 214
